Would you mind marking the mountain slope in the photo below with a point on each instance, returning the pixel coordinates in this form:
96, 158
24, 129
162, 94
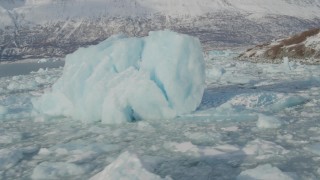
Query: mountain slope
40, 28
305, 45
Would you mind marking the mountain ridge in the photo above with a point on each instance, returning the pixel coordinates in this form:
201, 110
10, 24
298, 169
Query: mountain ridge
35, 29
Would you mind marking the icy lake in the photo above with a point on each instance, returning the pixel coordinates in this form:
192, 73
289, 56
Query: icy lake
255, 120
24, 68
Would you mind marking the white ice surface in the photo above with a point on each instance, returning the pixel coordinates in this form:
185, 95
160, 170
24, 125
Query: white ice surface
3, 110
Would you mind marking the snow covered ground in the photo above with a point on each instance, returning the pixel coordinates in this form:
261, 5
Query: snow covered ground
253, 119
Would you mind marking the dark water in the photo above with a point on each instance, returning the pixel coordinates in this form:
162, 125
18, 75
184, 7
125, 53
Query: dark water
25, 68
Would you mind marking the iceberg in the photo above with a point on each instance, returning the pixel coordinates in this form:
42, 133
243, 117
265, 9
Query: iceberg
125, 79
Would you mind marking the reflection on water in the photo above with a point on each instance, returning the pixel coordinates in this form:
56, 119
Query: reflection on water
15, 69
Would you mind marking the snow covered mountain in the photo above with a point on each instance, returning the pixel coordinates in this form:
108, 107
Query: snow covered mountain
40, 28
305, 45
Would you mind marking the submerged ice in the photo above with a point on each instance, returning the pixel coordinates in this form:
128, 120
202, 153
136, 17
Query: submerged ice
125, 79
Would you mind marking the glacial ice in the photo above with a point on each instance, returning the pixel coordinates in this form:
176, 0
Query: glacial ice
125, 79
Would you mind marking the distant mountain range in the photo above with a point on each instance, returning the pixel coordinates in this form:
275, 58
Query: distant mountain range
54, 28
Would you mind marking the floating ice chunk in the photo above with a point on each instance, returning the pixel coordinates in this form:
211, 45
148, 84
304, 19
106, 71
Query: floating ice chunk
48, 103
126, 167
7, 138
9, 158
125, 79
145, 126
13, 86
263, 149
221, 54
286, 64
3, 110
30, 149
231, 129
82, 157
58, 170
194, 150
268, 122
42, 71
314, 148
203, 137
42, 60
17, 85
215, 72
44, 152
263, 172
251, 100
288, 102
75, 150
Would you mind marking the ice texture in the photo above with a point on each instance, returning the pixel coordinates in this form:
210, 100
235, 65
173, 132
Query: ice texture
126, 167
263, 172
124, 79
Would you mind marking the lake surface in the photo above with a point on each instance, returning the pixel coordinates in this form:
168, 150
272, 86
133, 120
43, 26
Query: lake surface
24, 68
